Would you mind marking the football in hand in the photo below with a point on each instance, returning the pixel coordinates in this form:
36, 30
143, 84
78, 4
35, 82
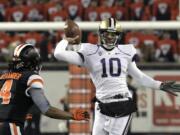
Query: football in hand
71, 29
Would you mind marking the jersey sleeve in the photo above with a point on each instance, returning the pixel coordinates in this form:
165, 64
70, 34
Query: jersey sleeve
60, 53
85, 50
35, 81
133, 52
142, 78
129, 50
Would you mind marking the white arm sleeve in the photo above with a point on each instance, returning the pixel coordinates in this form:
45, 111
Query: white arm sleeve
142, 78
61, 53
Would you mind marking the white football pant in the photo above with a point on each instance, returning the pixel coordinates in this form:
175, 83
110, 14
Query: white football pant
105, 125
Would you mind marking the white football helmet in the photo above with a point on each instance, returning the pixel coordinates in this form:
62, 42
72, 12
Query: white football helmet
110, 31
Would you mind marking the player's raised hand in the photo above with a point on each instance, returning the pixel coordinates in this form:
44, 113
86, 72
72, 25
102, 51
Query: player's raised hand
72, 31
71, 40
170, 87
80, 114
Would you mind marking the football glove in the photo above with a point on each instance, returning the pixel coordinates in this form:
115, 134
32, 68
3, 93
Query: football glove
170, 87
80, 114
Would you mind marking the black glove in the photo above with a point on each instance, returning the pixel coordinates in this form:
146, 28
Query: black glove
170, 87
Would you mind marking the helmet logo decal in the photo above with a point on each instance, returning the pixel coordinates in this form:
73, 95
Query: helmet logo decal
17, 50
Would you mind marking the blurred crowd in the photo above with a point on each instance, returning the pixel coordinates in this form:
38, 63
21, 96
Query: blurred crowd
152, 45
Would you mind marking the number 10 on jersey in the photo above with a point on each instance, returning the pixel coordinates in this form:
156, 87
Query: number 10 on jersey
111, 67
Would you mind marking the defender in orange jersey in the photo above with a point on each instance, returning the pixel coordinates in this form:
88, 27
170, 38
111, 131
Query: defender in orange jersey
21, 87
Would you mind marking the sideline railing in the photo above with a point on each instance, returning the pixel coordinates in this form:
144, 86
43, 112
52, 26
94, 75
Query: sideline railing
144, 66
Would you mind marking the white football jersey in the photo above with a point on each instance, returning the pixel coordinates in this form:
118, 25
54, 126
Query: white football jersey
108, 69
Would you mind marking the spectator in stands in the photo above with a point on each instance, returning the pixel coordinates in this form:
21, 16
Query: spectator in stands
83, 10
10, 49
134, 37
1, 17
105, 11
109, 3
8, 42
3, 5
4, 43
43, 47
32, 37
148, 47
120, 12
178, 46
175, 10
167, 49
35, 11
91, 12
74, 9
16, 37
137, 10
92, 38
60, 15
58, 12
50, 8
16, 13
85, 3
162, 10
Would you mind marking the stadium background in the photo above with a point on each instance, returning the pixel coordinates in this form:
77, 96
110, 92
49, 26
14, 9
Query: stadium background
158, 51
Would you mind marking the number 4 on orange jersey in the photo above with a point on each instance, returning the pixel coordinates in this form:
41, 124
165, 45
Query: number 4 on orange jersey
5, 93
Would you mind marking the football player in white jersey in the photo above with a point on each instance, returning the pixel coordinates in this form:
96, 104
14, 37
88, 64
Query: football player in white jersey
109, 63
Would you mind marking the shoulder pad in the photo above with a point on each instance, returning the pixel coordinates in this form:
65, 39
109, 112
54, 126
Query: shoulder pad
35, 81
87, 48
127, 49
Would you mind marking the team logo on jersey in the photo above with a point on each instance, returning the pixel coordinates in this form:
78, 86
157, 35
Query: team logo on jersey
100, 53
117, 53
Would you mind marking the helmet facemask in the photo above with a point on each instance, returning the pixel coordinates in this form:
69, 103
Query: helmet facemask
109, 39
31, 59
